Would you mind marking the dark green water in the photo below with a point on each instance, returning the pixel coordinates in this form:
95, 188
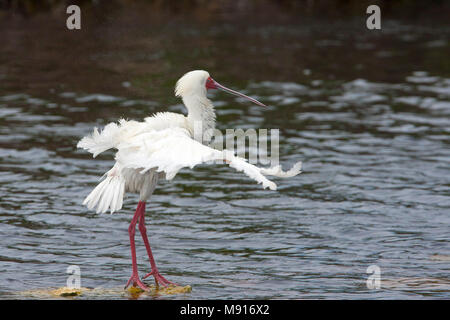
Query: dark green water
368, 114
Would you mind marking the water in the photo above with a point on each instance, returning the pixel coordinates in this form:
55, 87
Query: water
369, 116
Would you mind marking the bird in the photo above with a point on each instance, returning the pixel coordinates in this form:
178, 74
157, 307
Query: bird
158, 148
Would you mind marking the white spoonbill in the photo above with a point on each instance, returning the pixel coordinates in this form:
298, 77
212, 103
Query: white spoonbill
158, 148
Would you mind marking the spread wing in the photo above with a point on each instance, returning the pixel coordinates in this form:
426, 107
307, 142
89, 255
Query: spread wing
171, 149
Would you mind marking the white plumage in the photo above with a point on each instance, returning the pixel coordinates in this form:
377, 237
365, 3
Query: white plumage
160, 146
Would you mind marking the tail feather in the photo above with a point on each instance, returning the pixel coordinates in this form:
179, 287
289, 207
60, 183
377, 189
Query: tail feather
107, 195
114, 199
93, 198
120, 198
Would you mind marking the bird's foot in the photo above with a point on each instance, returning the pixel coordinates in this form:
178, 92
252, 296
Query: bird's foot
159, 279
136, 282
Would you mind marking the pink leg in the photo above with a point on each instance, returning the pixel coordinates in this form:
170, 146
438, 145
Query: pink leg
158, 277
131, 231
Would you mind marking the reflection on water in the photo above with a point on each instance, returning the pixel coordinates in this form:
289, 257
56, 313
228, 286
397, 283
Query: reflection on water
369, 117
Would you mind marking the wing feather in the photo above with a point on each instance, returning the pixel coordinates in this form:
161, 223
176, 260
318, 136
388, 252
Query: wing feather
171, 149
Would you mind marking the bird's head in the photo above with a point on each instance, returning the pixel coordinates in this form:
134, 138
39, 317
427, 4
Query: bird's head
197, 82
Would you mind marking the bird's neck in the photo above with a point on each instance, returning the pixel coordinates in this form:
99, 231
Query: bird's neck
201, 117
